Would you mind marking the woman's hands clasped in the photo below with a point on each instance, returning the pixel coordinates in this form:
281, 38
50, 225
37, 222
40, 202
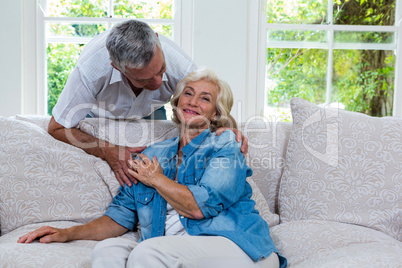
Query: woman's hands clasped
145, 170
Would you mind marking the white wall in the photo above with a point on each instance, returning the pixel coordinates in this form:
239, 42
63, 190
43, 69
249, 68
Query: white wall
10, 55
219, 42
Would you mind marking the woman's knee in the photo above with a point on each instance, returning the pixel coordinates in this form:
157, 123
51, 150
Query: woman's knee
151, 253
144, 250
113, 249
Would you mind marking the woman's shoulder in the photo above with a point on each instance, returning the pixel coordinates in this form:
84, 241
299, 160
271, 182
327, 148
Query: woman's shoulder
162, 146
227, 139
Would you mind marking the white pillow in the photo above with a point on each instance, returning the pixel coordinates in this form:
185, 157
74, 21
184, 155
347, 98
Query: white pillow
343, 166
129, 133
42, 179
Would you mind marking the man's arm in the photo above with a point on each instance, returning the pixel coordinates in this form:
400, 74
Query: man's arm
99, 229
232, 125
116, 156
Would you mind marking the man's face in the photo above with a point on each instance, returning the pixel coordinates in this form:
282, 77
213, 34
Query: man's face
150, 77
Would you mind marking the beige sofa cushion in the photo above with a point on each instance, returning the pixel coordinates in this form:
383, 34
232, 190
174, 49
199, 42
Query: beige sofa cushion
343, 166
315, 243
42, 179
267, 143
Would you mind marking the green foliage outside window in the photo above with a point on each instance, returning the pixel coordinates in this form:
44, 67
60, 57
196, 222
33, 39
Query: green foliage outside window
362, 80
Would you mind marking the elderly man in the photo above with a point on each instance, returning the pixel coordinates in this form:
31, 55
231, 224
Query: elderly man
125, 73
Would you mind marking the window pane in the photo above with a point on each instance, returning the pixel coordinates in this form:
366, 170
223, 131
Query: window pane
151, 9
61, 59
296, 35
166, 30
77, 8
294, 73
363, 81
364, 37
74, 29
296, 11
358, 12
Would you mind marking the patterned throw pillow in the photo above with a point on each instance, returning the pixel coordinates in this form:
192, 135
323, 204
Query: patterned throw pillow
261, 205
42, 179
343, 166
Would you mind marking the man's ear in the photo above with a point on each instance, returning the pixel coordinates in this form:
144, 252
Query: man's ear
114, 66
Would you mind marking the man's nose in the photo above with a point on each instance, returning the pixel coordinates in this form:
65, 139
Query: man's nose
158, 79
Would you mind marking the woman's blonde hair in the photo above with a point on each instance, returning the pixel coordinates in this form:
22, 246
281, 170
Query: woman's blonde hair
224, 101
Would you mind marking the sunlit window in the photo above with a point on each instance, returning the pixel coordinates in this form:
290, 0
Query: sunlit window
70, 24
339, 53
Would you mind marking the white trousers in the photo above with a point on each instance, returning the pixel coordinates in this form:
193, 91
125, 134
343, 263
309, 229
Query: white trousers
175, 251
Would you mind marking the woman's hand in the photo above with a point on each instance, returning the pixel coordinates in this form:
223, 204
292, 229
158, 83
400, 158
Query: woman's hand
145, 170
46, 234
117, 157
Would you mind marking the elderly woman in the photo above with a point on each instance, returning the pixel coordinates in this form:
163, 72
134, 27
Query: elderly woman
192, 200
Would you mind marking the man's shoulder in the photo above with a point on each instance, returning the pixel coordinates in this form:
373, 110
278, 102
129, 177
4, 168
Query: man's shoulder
179, 64
95, 53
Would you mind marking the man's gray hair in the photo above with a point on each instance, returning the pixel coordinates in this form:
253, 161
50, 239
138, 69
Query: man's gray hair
132, 44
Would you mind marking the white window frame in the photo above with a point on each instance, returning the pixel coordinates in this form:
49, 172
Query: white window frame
35, 43
258, 28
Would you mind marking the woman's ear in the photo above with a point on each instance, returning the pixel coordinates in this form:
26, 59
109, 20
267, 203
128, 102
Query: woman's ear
214, 117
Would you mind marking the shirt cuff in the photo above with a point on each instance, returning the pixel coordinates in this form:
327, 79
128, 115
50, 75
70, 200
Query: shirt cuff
201, 196
121, 216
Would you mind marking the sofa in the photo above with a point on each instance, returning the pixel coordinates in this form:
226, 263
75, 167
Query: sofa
329, 185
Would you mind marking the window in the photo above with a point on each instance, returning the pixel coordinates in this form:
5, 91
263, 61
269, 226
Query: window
70, 24
341, 53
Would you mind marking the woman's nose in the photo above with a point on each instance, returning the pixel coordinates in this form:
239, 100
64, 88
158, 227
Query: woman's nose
194, 101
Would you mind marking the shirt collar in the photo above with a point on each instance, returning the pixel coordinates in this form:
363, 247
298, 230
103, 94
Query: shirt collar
172, 150
164, 77
117, 76
196, 143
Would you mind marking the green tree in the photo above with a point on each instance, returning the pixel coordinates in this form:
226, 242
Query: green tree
59, 66
376, 79
362, 79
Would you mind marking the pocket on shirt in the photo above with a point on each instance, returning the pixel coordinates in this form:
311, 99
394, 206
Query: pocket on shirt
190, 179
145, 208
145, 198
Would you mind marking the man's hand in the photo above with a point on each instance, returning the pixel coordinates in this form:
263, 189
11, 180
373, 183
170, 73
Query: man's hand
117, 157
239, 137
46, 234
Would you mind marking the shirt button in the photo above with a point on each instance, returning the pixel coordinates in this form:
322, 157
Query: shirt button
146, 199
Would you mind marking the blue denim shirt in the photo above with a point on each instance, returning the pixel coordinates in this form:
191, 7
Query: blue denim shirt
215, 172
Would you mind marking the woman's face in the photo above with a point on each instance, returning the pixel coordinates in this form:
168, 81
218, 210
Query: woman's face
196, 107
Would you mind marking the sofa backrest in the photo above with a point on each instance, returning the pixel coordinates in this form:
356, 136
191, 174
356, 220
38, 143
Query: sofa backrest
267, 143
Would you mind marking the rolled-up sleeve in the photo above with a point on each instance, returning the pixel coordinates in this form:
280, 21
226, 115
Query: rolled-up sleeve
122, 210
223, 180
